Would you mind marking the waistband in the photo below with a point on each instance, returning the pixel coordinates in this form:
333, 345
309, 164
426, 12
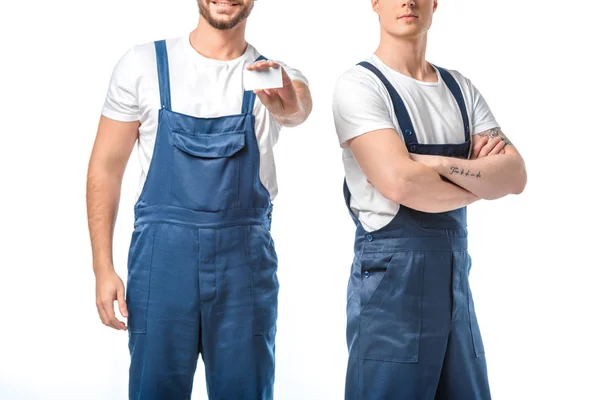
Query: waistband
406, 240
203, 219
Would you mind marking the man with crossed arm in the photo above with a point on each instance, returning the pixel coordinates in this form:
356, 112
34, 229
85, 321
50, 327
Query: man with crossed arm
419, 145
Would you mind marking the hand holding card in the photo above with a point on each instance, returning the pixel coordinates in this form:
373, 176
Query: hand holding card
267, 78
273, 87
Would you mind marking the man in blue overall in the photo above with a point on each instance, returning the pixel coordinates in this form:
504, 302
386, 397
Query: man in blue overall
419, 145
202, 264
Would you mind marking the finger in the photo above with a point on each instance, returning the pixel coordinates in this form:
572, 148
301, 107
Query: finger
263, 64
258, 65
121, 301
264, 92
263, 97
478, 146
118, 324
110, 314
102, 313
499, 147
489, 146
254, 65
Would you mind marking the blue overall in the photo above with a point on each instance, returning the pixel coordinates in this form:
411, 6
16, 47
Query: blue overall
202, 264
412, 332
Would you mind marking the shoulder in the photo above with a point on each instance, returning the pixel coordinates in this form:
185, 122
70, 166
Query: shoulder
359, 93
145, 53
359, 80
465, 83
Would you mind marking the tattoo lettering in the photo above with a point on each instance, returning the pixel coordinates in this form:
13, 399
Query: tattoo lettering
460, 171
495, 132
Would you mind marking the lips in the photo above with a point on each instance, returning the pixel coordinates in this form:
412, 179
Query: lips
408, 16
224, 3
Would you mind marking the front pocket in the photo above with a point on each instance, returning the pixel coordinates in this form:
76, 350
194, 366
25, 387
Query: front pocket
206, 169
390, 320
139, 267
265, 283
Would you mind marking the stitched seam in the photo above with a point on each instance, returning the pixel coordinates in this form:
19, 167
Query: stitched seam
149, 279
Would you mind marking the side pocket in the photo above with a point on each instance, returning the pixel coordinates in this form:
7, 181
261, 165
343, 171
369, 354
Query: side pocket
139, 268
475, 332
265, 284
373, 267
390, 321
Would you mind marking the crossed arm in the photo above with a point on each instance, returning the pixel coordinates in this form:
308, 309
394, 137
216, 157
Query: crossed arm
415, 180
489, 177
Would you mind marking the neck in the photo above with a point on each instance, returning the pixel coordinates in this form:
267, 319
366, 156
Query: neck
406, 55
219, 44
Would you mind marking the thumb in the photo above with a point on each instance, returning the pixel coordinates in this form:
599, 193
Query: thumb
121, 300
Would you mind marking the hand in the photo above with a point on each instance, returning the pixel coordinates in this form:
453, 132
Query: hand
109, 287
485, 146
281, 102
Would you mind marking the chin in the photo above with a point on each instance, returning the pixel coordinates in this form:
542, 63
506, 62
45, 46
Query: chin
408, 32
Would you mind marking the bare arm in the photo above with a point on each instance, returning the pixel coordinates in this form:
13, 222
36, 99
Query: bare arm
112, 149
489, 177
383, 157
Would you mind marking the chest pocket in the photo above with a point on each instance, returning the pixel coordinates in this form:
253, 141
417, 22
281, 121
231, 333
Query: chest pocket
205, 173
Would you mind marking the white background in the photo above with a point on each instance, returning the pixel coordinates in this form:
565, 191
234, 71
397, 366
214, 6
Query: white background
535, 273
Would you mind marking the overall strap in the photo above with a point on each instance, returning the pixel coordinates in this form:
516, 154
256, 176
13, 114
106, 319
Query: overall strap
162, 62
249, 96
402, 116
457, 93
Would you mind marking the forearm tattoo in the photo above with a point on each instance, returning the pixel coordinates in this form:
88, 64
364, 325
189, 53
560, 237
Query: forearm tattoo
461, 171
494, 132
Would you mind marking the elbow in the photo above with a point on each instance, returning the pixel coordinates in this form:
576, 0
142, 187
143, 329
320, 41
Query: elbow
520, 180
397, 191
515, 186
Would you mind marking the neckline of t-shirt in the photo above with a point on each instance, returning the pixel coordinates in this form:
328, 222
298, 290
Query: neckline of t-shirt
410, 78
211, 61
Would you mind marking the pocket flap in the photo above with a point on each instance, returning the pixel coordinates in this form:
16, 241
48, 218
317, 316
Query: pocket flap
209, 146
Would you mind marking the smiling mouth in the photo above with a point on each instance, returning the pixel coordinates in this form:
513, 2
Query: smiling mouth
223, 3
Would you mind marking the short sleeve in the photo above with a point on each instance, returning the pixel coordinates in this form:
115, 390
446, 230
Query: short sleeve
359, 107
482, 117
121, 101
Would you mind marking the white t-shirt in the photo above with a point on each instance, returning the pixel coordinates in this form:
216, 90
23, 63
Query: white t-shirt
362, 104
200, 87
